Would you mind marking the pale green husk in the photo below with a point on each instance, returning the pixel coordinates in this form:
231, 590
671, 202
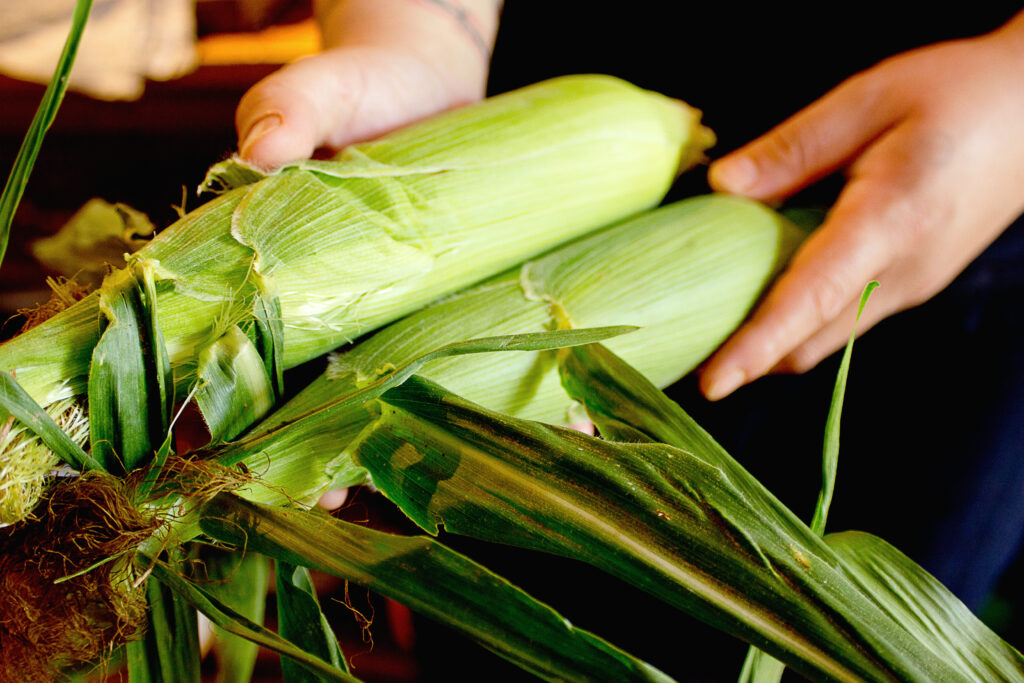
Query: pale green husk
686, 274
390, 225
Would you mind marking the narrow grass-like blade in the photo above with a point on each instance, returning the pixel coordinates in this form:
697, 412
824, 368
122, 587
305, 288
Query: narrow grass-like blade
685, 525
234, 622
926, 608
300, 620
760, 667
239, 581
45, 114
431, 579
328, 411
830, 453
18, 403
175, 627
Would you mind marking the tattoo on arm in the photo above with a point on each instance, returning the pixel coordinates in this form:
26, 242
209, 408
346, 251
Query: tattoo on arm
466, 21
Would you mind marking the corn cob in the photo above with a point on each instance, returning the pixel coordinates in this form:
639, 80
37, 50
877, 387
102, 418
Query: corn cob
348, 245
687, 274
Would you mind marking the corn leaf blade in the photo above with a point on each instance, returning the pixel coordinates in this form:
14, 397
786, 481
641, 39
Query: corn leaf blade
240, 582
301, 621
431, 579
682, 524
234, 622
175, 628
16, 401
295, 431
44, 116
926, 608
762, 668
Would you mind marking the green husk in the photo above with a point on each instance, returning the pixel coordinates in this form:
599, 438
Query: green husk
686, 274
356, 242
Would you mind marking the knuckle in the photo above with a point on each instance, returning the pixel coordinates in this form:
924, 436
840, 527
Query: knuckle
790, 148
827, 297
916, 222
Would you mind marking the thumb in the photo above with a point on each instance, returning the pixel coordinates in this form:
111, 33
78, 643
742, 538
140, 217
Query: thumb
291, 112
339, 97
811, 144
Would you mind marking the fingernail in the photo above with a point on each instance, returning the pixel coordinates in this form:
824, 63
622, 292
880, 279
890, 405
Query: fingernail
726, 384
734, 174
258, 131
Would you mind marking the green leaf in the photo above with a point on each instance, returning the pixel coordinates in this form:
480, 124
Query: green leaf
300, 620
234, 622
926, 609
162, 377
18, 403
329, 410
142, 659
431, 579
45, 114
131, 391
235, 390
268, 330
690, 526
760, 667
239, 580
830, 454
175, 628
763, 668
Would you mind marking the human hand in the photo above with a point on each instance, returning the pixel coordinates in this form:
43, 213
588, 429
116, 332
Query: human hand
933, 145
386, 63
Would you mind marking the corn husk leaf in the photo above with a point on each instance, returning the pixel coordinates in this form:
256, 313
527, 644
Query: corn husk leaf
94, 240
234, 388
169, 653
131, 388
240, 582
301, 621
926, 609
16, 402
685, 274
689, 526
234, 622
431, 579
306, 478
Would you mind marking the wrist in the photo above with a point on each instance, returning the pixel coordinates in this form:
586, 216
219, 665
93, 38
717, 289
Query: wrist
453, 38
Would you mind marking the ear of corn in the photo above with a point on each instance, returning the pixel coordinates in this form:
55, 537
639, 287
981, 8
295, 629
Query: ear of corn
686, 274
390, 225
337, 248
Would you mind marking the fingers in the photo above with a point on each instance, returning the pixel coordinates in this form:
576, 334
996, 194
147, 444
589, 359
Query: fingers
824, 279
333, 499
882, 216
287, 115
339, 97
811, 144
834, 335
